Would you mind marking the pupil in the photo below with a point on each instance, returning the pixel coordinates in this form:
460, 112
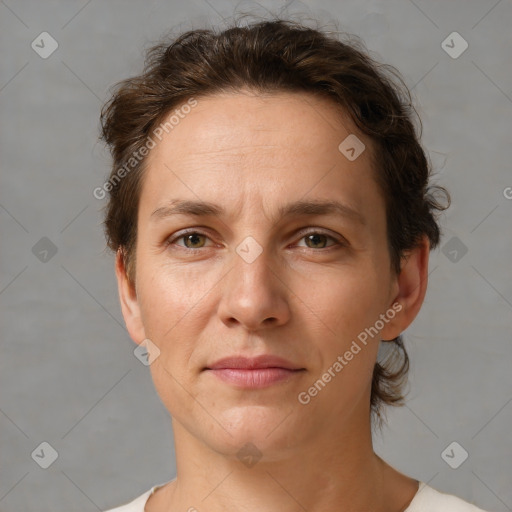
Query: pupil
314, 238
193, 236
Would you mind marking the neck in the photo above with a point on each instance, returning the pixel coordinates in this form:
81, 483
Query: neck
335, 470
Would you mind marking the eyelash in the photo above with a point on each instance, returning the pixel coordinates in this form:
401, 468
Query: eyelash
339, 242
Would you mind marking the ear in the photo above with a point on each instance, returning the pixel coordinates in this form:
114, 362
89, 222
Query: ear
409, 290
129, 303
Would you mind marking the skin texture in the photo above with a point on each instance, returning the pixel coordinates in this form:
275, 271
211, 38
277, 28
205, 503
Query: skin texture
305, 299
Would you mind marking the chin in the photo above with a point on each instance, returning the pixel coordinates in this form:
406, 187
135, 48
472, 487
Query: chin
271, 430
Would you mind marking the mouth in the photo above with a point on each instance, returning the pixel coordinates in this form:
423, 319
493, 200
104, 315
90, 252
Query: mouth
255, 378
254, 373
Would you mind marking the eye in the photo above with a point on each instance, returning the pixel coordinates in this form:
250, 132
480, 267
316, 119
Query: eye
192, 240
315, 238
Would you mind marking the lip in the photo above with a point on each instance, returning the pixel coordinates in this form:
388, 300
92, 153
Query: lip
252, 363
254, 373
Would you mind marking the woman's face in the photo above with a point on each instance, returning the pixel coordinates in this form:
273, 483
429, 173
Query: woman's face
251, 281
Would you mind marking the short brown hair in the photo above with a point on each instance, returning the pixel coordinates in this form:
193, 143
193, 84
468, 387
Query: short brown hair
279, 56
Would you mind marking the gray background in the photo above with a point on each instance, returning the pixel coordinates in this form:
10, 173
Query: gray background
68, 373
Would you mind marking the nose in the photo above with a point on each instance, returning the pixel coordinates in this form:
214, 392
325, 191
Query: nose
254, 294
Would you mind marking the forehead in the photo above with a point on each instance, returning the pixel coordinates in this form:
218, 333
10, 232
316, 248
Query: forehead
241, 121
247, 146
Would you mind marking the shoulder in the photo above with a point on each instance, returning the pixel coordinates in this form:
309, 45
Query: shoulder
428, 499
138, 504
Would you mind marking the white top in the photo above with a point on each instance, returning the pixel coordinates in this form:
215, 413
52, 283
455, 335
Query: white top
426, 499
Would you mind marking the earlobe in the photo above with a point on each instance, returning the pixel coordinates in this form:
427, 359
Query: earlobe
129, 302
412, 287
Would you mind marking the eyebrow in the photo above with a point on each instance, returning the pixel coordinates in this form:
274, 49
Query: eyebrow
296, 208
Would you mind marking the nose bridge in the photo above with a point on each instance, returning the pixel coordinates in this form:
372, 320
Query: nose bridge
252, 263
253, 294
252, 274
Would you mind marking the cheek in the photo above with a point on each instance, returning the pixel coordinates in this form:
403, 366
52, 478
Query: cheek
167, 296
169, 309
343, 301
345, 306
169, 306
175, 391
350, 304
